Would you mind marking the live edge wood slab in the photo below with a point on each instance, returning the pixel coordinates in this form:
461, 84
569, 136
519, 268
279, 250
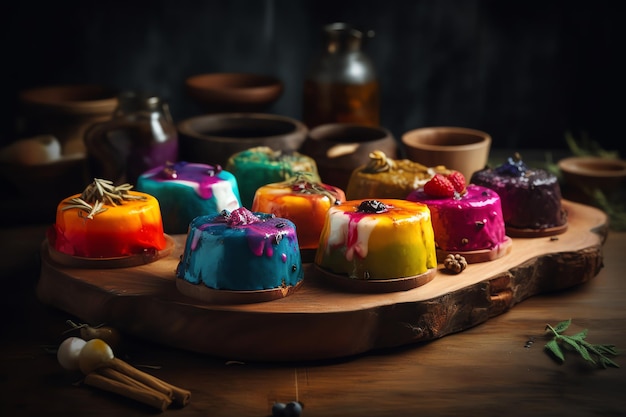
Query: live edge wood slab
320, 321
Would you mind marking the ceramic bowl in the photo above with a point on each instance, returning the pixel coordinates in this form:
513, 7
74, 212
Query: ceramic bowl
459, 148
213, 138
65, 111
340, 148
589, 172
234, 92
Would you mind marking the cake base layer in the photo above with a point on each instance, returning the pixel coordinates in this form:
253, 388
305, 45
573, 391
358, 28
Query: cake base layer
531, 233
211, 296
483, 255
129, 261
376, 285
143, 301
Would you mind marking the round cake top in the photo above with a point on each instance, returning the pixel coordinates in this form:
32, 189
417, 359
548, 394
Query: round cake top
200, 177
263, 156
515, 171
304, 184
395, 177
261, 229
475, 196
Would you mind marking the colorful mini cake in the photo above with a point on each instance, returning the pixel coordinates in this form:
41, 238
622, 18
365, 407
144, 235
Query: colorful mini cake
531, 198
259, 166
107, 221
187, 190
239, 251
384, 177
377, 240
465, 218
302, 201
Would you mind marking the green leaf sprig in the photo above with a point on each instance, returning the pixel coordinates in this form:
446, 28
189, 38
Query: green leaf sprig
593, 353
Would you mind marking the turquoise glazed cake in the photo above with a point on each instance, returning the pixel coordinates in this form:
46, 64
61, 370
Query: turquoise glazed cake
187, 190
260, 166
240, 251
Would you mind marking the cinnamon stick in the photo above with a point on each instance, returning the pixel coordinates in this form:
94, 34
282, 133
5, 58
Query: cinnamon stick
149, 397
179, 395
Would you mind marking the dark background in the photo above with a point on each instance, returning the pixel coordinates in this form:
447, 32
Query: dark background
527, 72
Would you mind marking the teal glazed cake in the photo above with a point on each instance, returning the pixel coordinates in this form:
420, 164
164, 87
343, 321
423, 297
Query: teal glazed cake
188, 190
256, 167
240, 256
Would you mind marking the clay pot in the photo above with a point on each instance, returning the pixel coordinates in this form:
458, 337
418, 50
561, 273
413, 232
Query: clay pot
65, 112
593, 172
340, 148
234, 92
212, 139
459, 148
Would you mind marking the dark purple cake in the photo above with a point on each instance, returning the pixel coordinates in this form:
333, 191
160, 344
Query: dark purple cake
531, 198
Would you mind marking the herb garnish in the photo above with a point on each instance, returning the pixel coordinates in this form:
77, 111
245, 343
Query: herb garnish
98, 194
594, 353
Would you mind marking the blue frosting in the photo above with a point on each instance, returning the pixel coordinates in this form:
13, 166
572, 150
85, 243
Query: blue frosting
189, 190
259, 255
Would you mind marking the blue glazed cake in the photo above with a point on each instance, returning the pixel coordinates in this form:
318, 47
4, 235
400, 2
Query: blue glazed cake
188, 190
241, 251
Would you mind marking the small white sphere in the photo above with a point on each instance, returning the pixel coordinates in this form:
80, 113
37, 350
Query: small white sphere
69, 351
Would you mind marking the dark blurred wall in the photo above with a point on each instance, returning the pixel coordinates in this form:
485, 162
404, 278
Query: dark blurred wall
524, 71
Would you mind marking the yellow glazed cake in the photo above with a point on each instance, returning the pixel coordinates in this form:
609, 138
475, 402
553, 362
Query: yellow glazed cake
377, 240
383, 177
107, 221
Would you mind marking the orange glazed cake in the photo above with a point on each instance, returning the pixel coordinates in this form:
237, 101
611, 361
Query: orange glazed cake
108, 221
302, 200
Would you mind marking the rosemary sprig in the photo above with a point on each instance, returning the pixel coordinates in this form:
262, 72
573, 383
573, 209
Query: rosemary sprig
98, 194
596, 354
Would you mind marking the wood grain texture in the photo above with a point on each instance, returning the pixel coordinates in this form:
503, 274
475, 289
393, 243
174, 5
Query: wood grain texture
329, 323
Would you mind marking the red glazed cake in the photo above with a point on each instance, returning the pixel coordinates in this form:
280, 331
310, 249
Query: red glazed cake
108, 221
302, 200
466, 220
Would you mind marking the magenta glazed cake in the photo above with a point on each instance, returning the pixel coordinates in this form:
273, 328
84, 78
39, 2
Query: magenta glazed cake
466, 220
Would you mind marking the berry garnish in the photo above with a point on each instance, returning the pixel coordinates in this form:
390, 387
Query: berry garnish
439, 186
458, 181
372, 206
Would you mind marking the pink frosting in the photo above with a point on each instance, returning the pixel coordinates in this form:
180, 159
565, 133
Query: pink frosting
470, 222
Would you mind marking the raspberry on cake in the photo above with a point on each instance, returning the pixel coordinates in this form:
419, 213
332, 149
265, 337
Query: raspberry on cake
108, 221
301, 200
377, 240
187, 190
531, 198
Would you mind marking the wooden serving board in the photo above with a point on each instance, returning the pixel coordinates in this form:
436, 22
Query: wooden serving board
320, 321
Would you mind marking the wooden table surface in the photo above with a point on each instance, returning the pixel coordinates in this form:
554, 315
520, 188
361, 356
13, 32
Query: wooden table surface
486, 370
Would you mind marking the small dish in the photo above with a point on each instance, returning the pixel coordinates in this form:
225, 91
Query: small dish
234, 92
593, 172
459, 148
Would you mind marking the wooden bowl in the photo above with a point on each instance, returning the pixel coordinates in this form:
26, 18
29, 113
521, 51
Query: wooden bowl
589, 172
213, 138
66, 111
459, 148
234, 92
340, 148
